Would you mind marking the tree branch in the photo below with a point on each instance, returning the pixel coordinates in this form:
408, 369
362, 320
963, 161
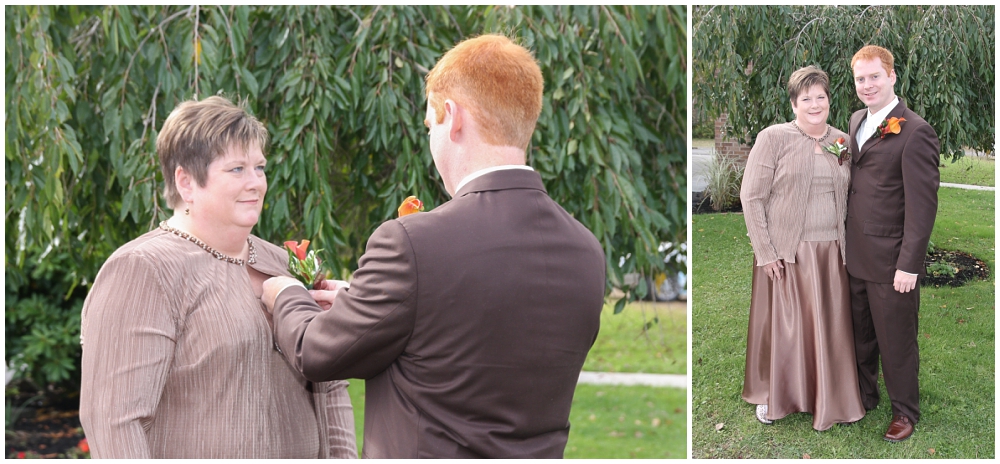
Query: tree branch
461, 36
614, 23
139, 48
232, 45
197, 48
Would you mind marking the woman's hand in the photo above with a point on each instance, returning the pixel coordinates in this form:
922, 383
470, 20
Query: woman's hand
775, 270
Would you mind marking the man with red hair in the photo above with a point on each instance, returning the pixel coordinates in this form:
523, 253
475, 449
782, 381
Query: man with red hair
892, 202
470, 322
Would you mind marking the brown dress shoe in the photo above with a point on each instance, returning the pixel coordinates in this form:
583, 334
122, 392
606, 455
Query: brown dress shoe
899, 429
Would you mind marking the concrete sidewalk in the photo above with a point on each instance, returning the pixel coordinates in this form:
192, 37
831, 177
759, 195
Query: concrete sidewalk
700, 159
653, 380
967, 187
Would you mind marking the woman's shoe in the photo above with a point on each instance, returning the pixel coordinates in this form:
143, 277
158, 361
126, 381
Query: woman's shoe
762, 415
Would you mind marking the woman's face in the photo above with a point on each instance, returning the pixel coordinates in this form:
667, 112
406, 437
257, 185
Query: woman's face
812, 106
234, 190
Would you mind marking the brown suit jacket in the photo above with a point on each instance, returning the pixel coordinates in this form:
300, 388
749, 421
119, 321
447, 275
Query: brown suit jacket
470, 323
892, 200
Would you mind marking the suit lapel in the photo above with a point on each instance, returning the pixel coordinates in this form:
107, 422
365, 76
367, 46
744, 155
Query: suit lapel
875, 139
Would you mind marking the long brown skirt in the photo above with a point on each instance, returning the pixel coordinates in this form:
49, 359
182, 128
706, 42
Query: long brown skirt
800, 344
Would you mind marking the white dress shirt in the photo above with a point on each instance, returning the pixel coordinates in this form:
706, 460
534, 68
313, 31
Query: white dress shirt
872, 121
482, 172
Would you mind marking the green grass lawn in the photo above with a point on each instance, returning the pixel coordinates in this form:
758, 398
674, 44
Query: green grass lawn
611, 422
703, 143
972, 170
624, 344
957, 346
614, 422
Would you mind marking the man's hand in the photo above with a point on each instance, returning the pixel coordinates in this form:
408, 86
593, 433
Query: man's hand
326, 291
272, 287
774, 270
904, 282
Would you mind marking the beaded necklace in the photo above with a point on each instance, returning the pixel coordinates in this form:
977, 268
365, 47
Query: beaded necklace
252, 259
817, 140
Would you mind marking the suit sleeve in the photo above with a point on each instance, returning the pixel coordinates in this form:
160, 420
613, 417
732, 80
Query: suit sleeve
129, 334
921, 179
368, 325
755, 193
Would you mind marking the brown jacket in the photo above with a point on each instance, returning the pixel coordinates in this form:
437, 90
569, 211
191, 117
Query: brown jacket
893, 198
179, 361
470, 323
775, 191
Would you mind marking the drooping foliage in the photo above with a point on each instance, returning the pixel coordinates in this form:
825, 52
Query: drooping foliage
944, 61
340, 90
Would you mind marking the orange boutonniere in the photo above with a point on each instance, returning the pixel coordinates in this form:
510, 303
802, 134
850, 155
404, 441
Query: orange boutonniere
889, 126
302, 265
410, 205
839, 150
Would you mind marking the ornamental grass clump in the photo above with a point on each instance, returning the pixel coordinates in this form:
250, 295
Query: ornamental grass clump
724, 178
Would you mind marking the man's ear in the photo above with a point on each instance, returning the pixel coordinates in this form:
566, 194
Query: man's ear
456, 115
184, 182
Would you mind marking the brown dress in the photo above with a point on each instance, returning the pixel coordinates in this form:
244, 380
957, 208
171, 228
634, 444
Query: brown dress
800, 343
179, 361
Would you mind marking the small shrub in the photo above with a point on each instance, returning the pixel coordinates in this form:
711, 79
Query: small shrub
724, 178
42, 323
942, 268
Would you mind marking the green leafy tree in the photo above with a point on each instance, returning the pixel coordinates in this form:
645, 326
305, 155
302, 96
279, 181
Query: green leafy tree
944, 61
340, 90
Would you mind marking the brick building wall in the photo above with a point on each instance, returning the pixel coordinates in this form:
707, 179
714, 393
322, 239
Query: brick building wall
728, 147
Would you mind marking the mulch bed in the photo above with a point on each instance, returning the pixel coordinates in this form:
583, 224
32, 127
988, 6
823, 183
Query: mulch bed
704, 207
47, 429
969, 268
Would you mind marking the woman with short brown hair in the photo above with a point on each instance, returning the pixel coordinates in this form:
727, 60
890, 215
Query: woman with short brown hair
179, 358
800, 342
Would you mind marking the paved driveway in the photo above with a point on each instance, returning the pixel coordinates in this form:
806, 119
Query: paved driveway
700, 159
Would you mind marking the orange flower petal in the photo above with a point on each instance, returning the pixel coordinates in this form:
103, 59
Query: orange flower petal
894, 125
300, 251
298, 248
409, 206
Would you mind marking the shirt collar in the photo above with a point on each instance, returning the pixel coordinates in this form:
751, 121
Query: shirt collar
482, 172
877, 118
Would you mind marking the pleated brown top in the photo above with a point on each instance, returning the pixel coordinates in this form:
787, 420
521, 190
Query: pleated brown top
821, 207
775, 190
179, 361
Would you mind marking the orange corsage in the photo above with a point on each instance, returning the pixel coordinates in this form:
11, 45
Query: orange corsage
410, 205
839, 150
303, 264
890, 126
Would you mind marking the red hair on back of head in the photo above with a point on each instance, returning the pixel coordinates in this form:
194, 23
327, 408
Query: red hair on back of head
497, 81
